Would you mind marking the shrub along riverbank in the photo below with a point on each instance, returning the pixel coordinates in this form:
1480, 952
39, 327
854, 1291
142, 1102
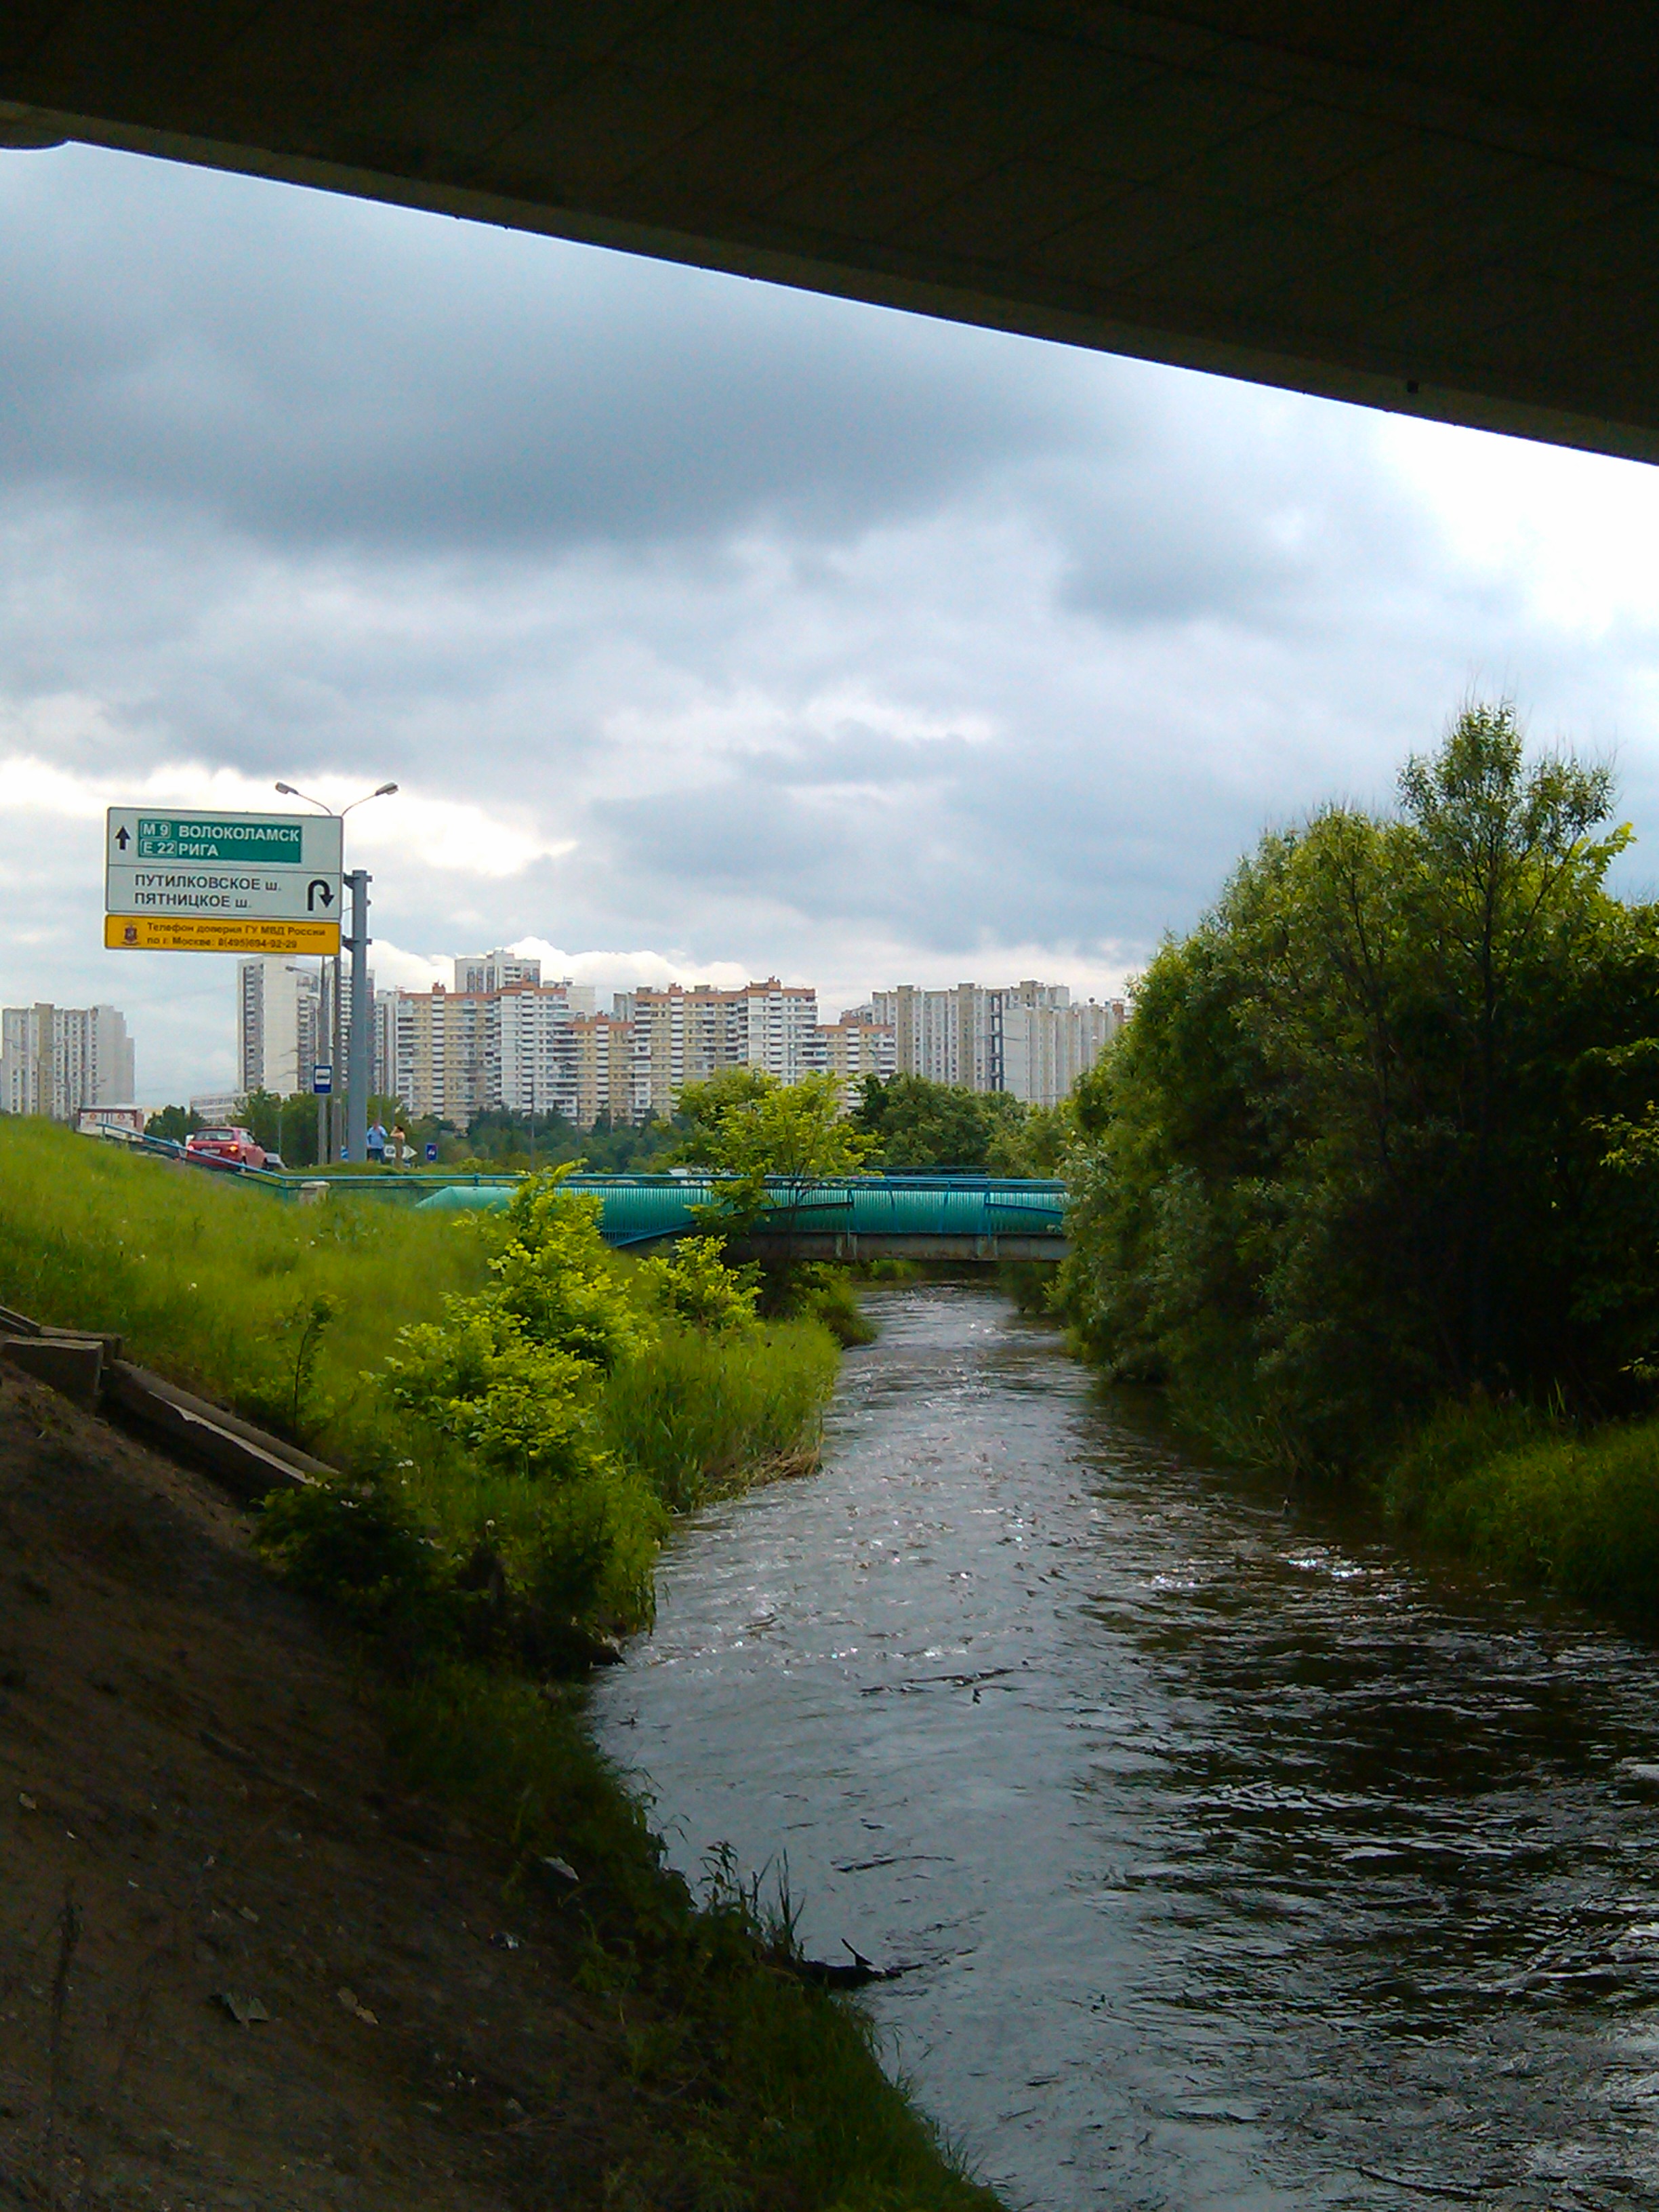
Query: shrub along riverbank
1371, 1184
517, 1412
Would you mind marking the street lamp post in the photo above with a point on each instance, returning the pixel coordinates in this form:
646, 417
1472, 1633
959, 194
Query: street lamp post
357, 1074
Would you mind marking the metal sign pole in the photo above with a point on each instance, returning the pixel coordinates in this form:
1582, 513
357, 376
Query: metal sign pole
336, 1102
363, 1021
322, 1082
317, 1031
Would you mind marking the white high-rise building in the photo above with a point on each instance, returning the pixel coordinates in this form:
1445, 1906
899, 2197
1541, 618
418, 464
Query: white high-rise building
455, 1053
685, 1035
780, 1023
946, 1035
533, 1047
285, 1027
58, 1060
500, 970
1027, 1039
855, 1047
1047, 1045
383, 1078
281, 1022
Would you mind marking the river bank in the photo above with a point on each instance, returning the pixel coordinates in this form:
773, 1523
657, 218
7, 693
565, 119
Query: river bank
1547, 1505
714, 2073
1239, 1859
1370, 1184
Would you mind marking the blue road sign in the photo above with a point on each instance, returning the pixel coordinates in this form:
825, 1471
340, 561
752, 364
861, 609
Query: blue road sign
432, 1152
322, 1079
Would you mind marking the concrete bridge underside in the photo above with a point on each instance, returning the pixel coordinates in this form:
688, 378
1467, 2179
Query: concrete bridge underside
959, 1251
1447, 208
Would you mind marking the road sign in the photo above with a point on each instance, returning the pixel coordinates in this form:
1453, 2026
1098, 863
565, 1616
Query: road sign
432, 1152
322, 1080
138, 932
218, 883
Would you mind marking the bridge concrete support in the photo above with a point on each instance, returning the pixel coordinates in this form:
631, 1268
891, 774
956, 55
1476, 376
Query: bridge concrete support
847, 1249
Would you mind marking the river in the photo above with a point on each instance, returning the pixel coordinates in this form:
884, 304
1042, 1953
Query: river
1238, 1861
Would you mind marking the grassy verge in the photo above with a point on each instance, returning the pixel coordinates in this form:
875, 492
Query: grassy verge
767, 2092
1029, 1284
831, 1298
283, 1313
220, 1286
1543, 1504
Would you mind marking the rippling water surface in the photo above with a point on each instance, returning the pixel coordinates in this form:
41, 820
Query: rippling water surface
1239, 1863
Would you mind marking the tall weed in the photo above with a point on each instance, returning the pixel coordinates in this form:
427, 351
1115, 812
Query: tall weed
1538, 1503
709, 1414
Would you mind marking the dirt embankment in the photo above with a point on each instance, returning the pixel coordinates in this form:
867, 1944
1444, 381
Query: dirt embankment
238, 1967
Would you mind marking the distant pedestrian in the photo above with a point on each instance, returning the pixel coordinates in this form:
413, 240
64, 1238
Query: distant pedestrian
399, 1144
374, 1143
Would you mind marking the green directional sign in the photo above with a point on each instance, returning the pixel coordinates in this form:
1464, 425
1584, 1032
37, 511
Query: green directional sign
218, 837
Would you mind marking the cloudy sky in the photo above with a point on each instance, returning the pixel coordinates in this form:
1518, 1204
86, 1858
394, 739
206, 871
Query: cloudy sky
710, 629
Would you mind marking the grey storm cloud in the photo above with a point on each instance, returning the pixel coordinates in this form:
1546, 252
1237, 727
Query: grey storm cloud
314, 370
777, 631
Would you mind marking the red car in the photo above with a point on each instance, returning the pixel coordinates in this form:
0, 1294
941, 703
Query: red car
224, 1148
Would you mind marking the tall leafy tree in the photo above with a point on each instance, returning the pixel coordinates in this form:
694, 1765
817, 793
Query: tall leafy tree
1354, 1151
748, 1125
917, 1124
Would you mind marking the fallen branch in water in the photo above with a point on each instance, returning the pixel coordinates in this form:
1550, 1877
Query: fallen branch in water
1464, 2192
826, 1974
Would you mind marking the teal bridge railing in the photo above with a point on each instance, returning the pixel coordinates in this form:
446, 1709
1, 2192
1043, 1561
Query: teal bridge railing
947, 1216
942, 1217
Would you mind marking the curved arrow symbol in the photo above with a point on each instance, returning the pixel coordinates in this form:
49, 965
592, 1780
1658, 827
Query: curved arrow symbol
319, 888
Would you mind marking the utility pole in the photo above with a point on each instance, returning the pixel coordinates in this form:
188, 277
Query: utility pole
337, 1061
319, 1046
358, 1050
338, 1107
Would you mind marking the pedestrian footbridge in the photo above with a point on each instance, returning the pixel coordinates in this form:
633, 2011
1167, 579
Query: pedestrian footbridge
963, 1218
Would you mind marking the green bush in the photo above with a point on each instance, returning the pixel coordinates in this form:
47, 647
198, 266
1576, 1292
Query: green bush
518, 1406
828, 1296
517, 1377
359, 1546
558, 1282
693, 1282
590, 1551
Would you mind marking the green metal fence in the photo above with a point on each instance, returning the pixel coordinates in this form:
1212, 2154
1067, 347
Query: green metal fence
647, 1209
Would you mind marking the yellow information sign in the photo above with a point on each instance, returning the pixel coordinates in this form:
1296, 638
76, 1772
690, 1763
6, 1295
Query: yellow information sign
148, 932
